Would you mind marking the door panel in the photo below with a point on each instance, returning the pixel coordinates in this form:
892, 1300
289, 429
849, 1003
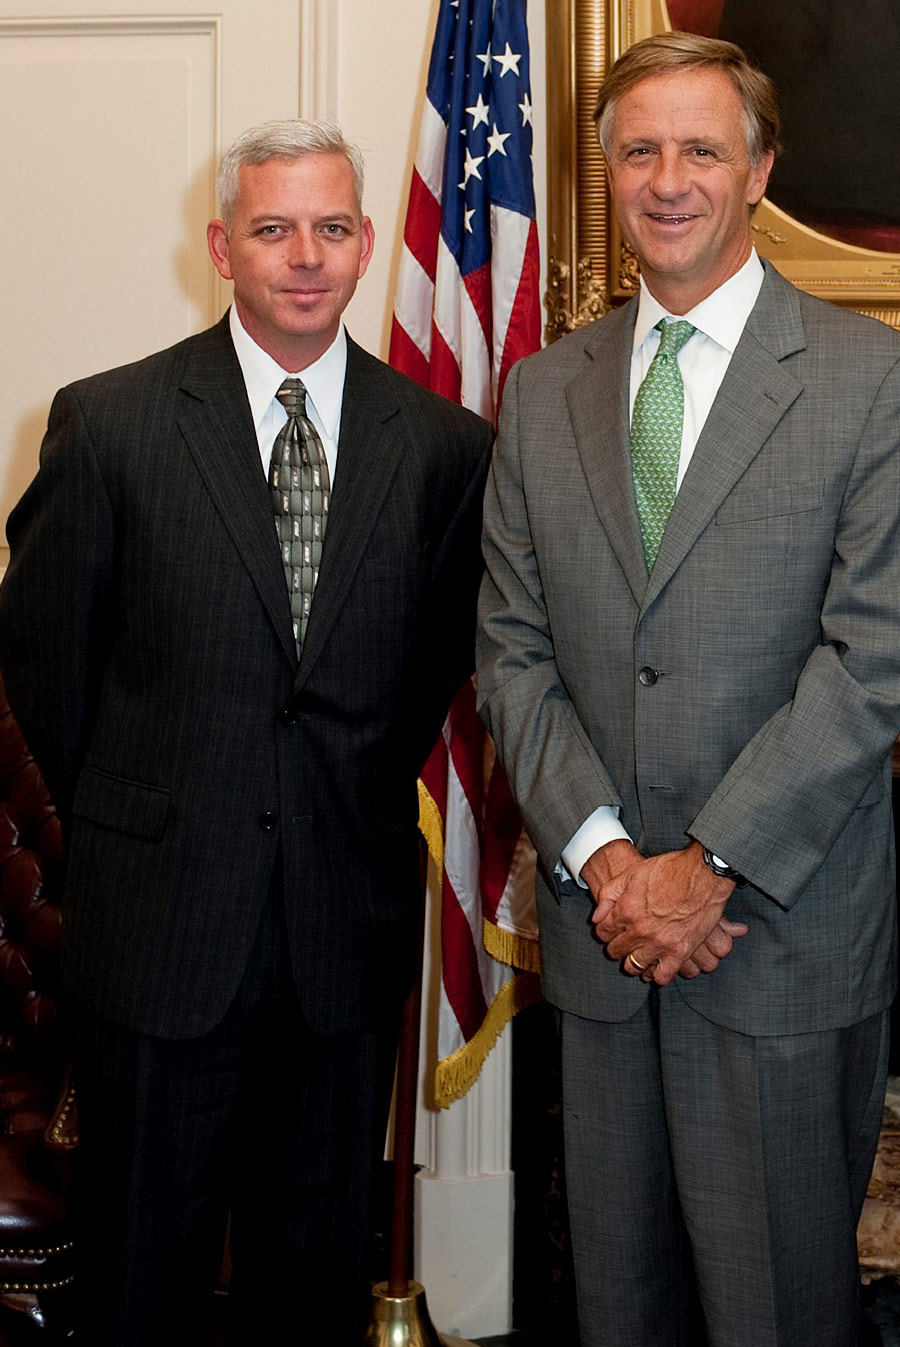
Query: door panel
112, 125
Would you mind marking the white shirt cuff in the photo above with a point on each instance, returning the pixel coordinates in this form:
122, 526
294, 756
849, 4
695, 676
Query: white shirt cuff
599, 828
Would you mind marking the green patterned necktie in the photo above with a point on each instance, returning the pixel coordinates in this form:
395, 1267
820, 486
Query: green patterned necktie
656, 426
300, 487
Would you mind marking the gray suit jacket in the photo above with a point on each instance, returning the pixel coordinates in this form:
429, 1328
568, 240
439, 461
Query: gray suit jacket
772, 618
146, 644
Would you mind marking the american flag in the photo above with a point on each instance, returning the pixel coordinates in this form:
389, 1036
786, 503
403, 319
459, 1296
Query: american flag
467, 308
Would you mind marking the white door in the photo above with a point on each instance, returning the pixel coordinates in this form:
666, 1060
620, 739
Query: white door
112, 118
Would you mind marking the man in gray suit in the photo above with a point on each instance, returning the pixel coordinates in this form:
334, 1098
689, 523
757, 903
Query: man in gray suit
690, 663
231, 710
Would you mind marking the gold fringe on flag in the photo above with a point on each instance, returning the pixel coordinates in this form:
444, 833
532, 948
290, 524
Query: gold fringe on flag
431, 826
511, 948
455, 1075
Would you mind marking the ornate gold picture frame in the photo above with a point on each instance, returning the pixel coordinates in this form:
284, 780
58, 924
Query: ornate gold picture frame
589, 266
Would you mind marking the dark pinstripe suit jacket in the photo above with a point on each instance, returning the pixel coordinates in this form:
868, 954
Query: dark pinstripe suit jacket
146, 644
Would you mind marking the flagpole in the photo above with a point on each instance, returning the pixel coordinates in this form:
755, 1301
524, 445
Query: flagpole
400, 1315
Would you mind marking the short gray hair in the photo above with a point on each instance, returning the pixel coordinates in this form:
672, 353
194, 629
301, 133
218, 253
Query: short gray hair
290, 138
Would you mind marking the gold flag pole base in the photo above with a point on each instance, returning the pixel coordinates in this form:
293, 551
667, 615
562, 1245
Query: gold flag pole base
399, 1316
404, 1321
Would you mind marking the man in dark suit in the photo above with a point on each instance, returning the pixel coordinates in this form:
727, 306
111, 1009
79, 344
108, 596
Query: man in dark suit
235, 762
690, 663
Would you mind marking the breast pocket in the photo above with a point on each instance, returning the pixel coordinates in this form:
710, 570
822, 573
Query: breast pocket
117, 802
744, 507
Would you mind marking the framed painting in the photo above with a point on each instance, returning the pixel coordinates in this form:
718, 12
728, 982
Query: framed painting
831, 219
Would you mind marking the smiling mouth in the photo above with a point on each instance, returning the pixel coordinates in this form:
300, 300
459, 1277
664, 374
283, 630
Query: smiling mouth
671, 219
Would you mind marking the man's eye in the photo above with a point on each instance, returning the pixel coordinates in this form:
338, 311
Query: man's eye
334, 230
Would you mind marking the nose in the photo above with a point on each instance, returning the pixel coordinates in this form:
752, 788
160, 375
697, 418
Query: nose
671, 178
305, 249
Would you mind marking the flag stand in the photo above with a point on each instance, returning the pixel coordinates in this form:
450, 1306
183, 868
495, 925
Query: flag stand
400, 1315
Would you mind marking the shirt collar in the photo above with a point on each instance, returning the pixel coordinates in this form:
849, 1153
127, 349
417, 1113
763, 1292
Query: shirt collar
323, 379
722, 315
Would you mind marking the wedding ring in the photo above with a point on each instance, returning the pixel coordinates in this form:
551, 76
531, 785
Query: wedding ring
641, 967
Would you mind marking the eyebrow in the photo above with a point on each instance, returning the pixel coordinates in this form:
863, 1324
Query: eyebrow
338, 217
688, 142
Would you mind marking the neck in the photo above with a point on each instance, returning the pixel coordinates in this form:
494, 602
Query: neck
679, 295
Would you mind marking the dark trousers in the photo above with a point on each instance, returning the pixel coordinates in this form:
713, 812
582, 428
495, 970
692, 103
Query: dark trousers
713, 1171
262, 1118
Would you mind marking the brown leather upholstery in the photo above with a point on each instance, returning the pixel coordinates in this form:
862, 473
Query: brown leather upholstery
38, 1124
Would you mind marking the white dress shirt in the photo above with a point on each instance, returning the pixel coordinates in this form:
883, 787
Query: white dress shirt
720, 320
323, 381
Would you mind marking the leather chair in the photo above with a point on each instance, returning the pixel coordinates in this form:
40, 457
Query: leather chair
38, 1120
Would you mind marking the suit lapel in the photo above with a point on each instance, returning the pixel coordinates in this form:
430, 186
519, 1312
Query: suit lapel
370, 449
215, 421
598, 406
755, 394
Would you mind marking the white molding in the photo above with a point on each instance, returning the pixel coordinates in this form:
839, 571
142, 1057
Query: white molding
463, 1234
463, 1252
463, 1244
210, 26
140, 26
319, 24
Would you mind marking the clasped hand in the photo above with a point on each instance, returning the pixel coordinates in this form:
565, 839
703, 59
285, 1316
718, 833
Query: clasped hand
665, 911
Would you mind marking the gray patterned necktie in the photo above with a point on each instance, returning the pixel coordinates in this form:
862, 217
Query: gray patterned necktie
300, 488
656, 426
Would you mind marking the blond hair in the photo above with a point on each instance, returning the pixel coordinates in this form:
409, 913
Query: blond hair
666, 52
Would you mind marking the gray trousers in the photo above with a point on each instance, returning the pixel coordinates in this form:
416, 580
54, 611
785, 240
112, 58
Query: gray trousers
717, 1177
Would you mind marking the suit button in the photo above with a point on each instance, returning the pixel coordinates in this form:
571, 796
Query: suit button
288, 716
268, 820
647, 676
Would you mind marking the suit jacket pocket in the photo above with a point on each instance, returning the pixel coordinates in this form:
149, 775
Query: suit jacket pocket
769, 503
115, 802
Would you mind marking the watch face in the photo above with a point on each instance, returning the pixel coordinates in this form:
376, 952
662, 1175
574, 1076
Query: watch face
723, 869
717, 865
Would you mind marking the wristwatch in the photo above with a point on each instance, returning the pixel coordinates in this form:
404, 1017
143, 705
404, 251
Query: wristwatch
722, 869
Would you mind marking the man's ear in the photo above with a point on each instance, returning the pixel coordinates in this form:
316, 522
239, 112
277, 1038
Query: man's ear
760, 178
217, 242
368, 245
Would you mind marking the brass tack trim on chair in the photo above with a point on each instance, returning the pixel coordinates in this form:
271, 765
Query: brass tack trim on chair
8, 1288
58, 1131
36, 1253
